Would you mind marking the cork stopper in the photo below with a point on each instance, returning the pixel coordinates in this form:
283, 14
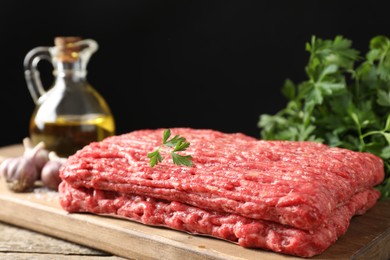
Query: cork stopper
67, 50
66, 40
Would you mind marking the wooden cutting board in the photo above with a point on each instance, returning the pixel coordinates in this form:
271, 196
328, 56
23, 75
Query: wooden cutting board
368, 236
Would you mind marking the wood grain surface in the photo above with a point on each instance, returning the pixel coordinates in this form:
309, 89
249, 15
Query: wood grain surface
368, 236
17, 244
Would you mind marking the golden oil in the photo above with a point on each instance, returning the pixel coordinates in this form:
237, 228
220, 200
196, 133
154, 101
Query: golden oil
67, 134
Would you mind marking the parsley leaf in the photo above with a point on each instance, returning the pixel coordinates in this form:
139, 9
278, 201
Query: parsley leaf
155, 157
178, 143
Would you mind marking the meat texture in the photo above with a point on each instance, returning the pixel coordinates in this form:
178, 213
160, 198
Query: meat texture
295, 198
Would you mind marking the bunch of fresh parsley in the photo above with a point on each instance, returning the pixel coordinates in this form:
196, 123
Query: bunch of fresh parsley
345, 101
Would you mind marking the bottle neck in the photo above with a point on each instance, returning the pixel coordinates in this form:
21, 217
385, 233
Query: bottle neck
70, 70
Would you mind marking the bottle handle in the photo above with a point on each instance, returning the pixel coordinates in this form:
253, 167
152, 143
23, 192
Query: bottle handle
31, 71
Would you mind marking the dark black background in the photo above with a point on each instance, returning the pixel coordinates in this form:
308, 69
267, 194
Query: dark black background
202, 64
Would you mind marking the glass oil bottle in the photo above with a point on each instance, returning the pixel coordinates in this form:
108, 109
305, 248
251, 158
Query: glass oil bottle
71, 113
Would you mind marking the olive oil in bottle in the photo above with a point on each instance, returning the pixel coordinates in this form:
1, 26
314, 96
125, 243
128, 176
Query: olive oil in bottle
68, 134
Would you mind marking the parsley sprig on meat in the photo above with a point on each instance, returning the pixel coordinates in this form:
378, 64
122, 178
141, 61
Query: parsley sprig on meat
178, 143
344, 102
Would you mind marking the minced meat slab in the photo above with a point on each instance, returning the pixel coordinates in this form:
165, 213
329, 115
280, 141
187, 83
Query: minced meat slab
290, 197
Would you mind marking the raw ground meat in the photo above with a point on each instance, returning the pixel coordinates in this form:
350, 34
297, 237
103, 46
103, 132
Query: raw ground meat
246, 232
290, 197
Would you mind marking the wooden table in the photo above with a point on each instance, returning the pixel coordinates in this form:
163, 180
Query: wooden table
368, 236
19, 243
